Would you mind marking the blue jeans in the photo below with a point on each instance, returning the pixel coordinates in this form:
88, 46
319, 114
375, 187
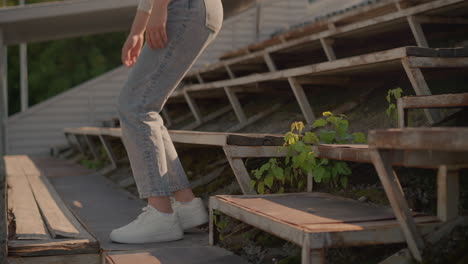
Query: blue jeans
191, 26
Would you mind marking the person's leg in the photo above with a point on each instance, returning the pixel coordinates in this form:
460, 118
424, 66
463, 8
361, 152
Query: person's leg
178, 181
153, 78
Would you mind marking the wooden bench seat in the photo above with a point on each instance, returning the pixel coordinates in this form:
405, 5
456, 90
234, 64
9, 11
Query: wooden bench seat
428, 101
360, 12
388, 63
388, 22
41, 227
388, 59
444, 147
316, 221
236, 146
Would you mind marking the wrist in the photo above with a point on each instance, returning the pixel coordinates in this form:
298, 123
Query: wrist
139, 24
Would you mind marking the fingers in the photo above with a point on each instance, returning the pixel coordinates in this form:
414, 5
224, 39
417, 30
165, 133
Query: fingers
129, 56
157, 37
163, 34
125, 56
130, 51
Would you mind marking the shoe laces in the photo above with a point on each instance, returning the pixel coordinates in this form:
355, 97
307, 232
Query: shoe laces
140, 216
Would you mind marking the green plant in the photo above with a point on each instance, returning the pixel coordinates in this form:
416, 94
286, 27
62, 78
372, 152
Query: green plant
277, 175
221, 221
392, 97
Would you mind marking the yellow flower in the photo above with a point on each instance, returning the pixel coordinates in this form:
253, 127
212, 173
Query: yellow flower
327, 114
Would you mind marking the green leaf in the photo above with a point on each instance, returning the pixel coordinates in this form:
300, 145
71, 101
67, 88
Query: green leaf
319, 173
269, 181
265, 167
342, 128
342, 168
324, 161
390, 109
252, 184
333, 120
359, 138
344, 181
261, 188
327, 136
310, 138
327, 174
299, 146
279, 173
397, 93
319, 123
302, 157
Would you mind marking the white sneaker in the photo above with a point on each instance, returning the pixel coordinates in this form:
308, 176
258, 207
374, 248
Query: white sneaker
150, 226
191, 214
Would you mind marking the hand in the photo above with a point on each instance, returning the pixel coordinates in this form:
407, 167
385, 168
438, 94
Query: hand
156, 35
131, 49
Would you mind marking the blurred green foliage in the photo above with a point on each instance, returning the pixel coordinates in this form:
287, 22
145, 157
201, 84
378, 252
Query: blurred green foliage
58, 65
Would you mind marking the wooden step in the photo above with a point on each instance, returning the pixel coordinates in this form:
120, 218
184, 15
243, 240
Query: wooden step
316, 221
104, 206
345, 33
41, 225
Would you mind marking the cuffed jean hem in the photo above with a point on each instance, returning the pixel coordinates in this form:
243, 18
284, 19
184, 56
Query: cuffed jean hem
168, 192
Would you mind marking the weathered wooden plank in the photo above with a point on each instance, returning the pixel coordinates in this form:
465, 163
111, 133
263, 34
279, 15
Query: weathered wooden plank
440, 62
47, 247
269, 62
434, 101
108, 148
354, 153
92, 147
255, 140
328, 49
305, 251
174, 255
378, 57
193, 107
241, 174
69, 259
302, 100
283, 230
60, 221
418, 32
448, 192
451, 139
420, 87
393, 17
322, 235
400, 207
234, 100
28, 220
312, 208
345, 64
